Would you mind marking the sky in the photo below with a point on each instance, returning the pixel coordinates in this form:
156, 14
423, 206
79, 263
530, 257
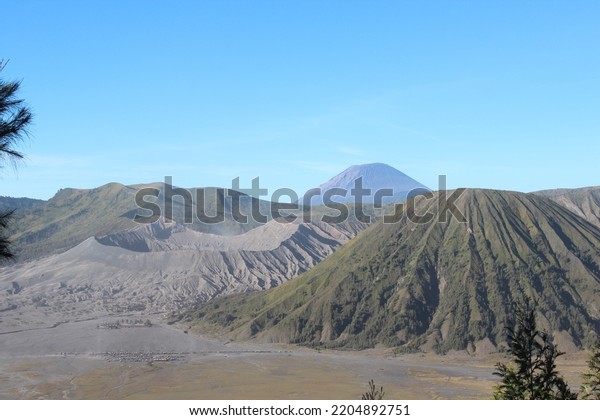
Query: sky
492, 94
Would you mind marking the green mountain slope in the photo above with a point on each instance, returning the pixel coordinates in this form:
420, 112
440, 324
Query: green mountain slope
68, 218
439, 286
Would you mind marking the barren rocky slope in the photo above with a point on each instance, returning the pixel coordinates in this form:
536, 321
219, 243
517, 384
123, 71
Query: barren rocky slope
160, 268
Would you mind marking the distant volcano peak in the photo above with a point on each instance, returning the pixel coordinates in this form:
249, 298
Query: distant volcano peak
375, 177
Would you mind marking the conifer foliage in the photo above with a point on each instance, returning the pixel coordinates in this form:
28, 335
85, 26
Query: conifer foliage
14, 119
532, 375
590, 389
373, 393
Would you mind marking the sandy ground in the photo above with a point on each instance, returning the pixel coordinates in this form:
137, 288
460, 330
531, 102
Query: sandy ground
80, 361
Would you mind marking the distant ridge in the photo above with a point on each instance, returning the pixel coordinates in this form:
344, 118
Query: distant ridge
18, 203
584, 202
376, 177
41, 228
436, 286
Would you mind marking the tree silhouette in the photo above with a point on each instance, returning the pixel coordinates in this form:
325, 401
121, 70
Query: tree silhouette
533, 374
373, 393
15, 116
590, 389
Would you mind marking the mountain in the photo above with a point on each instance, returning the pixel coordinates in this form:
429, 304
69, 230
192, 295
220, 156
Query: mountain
161, 268
40, 228
74, 215
435, 286
584, 202
82, 255
16, 204
68, 218
376, 177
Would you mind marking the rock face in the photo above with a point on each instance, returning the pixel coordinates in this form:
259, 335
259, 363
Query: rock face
435, 285
160, 268
376, 177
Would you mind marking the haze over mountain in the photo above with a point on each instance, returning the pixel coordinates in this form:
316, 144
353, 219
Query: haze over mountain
439, 286
376, 177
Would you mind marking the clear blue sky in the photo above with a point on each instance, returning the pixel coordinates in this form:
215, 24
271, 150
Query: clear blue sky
493, 94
